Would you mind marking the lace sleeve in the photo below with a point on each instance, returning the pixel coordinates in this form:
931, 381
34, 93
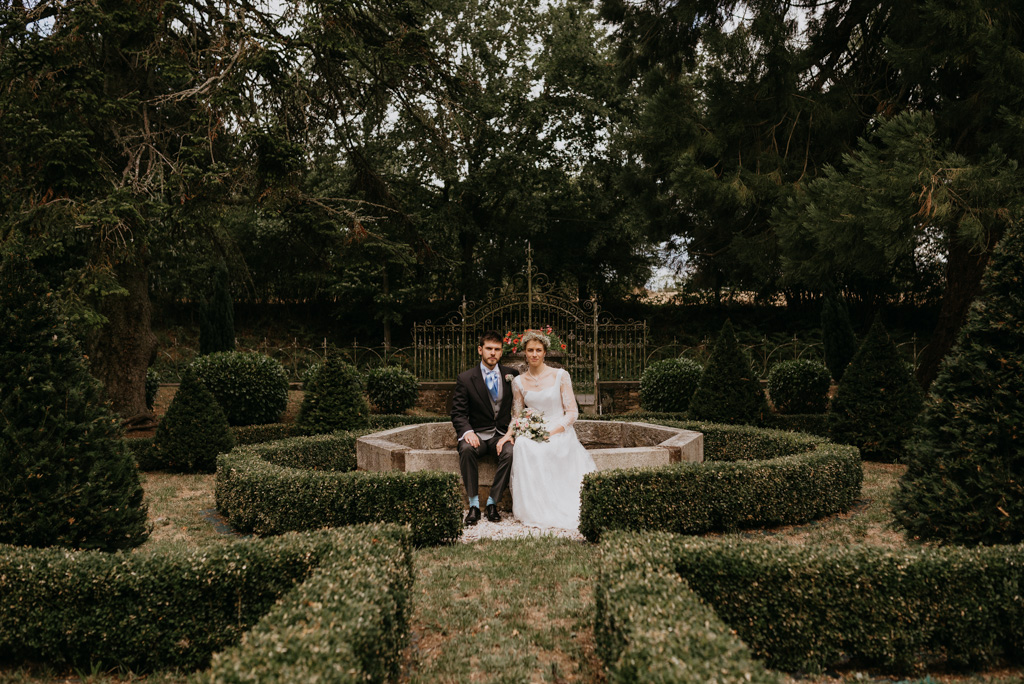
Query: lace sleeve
568, 401
517, 402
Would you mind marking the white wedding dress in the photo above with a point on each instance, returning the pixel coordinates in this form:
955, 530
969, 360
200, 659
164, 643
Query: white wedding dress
546, 476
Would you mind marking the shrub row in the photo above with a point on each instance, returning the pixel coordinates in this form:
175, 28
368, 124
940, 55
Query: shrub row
335, 451
750, 478
650, 627
264, 497
148, 611
805, 608
348, 622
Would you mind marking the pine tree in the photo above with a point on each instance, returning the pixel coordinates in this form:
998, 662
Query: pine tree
877, 400
837, 336
965, 478
194, 430
66, 478
729, 391
217, 315
333, 399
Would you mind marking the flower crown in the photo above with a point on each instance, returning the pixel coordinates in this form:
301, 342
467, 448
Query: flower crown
513, 340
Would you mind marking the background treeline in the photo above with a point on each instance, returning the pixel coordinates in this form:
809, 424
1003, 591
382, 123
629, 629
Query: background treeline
366, 162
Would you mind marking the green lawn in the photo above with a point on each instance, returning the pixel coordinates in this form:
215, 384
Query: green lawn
501, 611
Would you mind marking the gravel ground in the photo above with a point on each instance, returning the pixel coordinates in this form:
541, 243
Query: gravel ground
510, 528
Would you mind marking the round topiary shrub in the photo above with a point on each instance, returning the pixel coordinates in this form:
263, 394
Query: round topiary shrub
799, 386
252, 388
333, 399
667, 385
66, 477
152, 385
392, 389
877, 400
194, 430
729, 391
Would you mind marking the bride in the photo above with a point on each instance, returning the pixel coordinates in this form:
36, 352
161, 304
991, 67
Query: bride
546, 476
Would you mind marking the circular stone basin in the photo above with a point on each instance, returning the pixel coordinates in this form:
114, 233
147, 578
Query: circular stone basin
613, 444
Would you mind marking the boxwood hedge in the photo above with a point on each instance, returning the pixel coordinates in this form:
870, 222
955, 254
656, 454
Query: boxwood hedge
804, 608
750, 478
650, 627
273, 488
149, 611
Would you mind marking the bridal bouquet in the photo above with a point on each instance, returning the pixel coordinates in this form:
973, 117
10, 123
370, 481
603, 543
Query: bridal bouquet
530, 423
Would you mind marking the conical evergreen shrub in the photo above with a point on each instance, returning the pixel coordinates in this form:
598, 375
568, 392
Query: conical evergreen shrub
217, 315
837, 337
66, 477
877, 400
965, 478
193, 431
729, 390
333, 399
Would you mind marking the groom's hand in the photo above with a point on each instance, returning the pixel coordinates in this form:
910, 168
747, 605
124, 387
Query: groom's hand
472, 440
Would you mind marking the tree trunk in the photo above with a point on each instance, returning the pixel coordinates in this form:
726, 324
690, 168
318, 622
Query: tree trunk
965, 266
122, 351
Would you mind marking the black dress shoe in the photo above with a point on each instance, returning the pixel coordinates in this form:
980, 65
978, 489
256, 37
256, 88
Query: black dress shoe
492, 513
473, 517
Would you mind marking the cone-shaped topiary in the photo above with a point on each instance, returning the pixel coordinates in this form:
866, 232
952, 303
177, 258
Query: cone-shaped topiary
66, 477
193, 431
217, 315
333, 399
837, 336
729, 391
965, 478
877, 400
667, 385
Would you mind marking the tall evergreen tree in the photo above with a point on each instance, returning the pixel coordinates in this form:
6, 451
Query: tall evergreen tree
877, 400
837, 336
729, 391
217, 314
66, 478
965, 478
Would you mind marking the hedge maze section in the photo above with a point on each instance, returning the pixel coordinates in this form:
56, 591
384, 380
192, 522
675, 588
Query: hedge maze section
174, 610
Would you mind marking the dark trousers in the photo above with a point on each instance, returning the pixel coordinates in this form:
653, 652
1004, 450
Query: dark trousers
468, 464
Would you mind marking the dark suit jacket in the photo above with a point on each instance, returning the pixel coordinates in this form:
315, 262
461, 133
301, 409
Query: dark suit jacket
471, 403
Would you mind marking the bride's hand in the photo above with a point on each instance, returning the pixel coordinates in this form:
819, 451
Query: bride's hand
556, 430
501, 442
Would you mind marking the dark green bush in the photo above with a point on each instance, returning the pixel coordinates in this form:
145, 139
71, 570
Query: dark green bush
729, 390
333, 399
837, 337
799, 386
193, 431
642, 416
152, 385
386, 422
335, 451
804, 608
252, 388
668, 385
262, 497
66, 477
217, 314
650, 627
750, 478
173, 609
965, 478
268, 432
392, 389
142, 450
811, 423
877, 400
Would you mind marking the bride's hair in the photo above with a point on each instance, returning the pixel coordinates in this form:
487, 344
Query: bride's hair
531, 335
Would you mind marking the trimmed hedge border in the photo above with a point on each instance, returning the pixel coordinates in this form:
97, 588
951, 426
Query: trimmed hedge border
273, 488
650, 627
806, 608
751, 477
174, 609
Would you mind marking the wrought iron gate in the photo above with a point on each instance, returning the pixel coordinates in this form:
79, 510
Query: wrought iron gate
598, 346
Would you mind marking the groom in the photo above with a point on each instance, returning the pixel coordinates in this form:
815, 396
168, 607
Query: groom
481, 412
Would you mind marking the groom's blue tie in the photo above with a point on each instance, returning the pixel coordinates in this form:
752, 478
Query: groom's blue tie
492, 384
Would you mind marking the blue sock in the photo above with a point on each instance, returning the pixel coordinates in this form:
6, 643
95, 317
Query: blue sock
490, 501
474, 502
